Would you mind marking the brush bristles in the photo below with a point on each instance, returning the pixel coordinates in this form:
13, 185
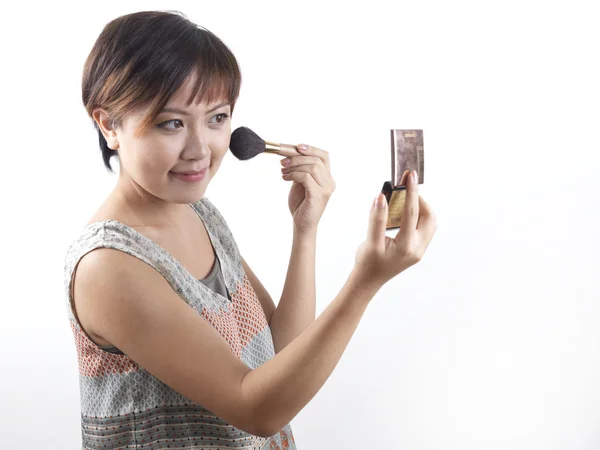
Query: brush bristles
246, 144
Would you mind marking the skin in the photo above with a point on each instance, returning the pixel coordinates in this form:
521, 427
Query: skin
151, 200
168, 338
146, 187
197, 138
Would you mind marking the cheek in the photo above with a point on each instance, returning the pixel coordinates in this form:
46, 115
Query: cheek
220, 149
219, 154
217, 158
155, 157
149, 162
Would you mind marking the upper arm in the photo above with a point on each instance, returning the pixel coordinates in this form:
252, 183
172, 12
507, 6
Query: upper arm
131, 305
265, 299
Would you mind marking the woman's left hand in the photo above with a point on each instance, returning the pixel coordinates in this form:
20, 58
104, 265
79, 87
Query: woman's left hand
312, 186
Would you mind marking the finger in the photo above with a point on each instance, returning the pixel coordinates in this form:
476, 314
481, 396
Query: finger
427, 224
410, 215
298, 160
305, 179
426, 214
318, 173
322, 154
403, 179
377, 223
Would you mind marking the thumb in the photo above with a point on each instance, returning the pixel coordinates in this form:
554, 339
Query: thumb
378, 222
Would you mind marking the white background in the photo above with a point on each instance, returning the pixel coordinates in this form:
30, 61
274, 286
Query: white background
490, 342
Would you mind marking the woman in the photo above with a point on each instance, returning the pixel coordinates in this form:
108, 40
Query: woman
225, 367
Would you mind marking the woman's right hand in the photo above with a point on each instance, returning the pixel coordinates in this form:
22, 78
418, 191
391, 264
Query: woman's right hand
380, 258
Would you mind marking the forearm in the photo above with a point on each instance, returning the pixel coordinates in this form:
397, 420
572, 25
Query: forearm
281, 387
297, 305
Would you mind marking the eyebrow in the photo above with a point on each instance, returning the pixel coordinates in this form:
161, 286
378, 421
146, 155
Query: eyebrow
185, 113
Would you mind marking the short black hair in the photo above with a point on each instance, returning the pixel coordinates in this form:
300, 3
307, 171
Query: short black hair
143, 59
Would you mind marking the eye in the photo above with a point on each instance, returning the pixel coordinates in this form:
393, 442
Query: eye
224, 118
164, 124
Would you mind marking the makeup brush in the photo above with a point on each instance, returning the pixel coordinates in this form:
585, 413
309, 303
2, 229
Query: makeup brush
246, 144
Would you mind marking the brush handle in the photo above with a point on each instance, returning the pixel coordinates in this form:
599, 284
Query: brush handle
281, 149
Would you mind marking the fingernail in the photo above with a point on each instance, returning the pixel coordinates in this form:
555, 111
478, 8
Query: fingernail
286, 161
380, 201
415, 176
303, 147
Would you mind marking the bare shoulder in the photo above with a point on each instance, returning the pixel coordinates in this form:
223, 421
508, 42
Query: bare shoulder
129, 303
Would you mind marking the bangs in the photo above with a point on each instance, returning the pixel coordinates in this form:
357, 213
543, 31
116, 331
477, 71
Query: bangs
215, 77
209, 87
212, 84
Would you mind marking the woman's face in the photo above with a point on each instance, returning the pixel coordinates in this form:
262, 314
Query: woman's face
181, 139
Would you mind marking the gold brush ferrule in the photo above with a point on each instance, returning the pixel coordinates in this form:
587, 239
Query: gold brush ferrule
272, 147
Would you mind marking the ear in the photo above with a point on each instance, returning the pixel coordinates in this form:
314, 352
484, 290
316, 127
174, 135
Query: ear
102, 118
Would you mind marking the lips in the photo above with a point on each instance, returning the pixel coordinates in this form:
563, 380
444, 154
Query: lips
190, 172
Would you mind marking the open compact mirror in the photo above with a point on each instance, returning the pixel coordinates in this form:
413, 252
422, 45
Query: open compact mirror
407, 155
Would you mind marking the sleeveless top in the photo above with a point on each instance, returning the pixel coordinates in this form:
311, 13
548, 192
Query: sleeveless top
125, 407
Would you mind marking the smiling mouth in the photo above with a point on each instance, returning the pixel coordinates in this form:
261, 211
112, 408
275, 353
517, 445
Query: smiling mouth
191, 172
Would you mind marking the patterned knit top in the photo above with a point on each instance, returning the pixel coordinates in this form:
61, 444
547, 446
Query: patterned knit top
125, 407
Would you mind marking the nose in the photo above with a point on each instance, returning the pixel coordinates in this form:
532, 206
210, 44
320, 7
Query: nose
197, 146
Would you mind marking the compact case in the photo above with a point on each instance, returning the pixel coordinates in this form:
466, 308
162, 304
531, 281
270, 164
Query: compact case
407, 154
